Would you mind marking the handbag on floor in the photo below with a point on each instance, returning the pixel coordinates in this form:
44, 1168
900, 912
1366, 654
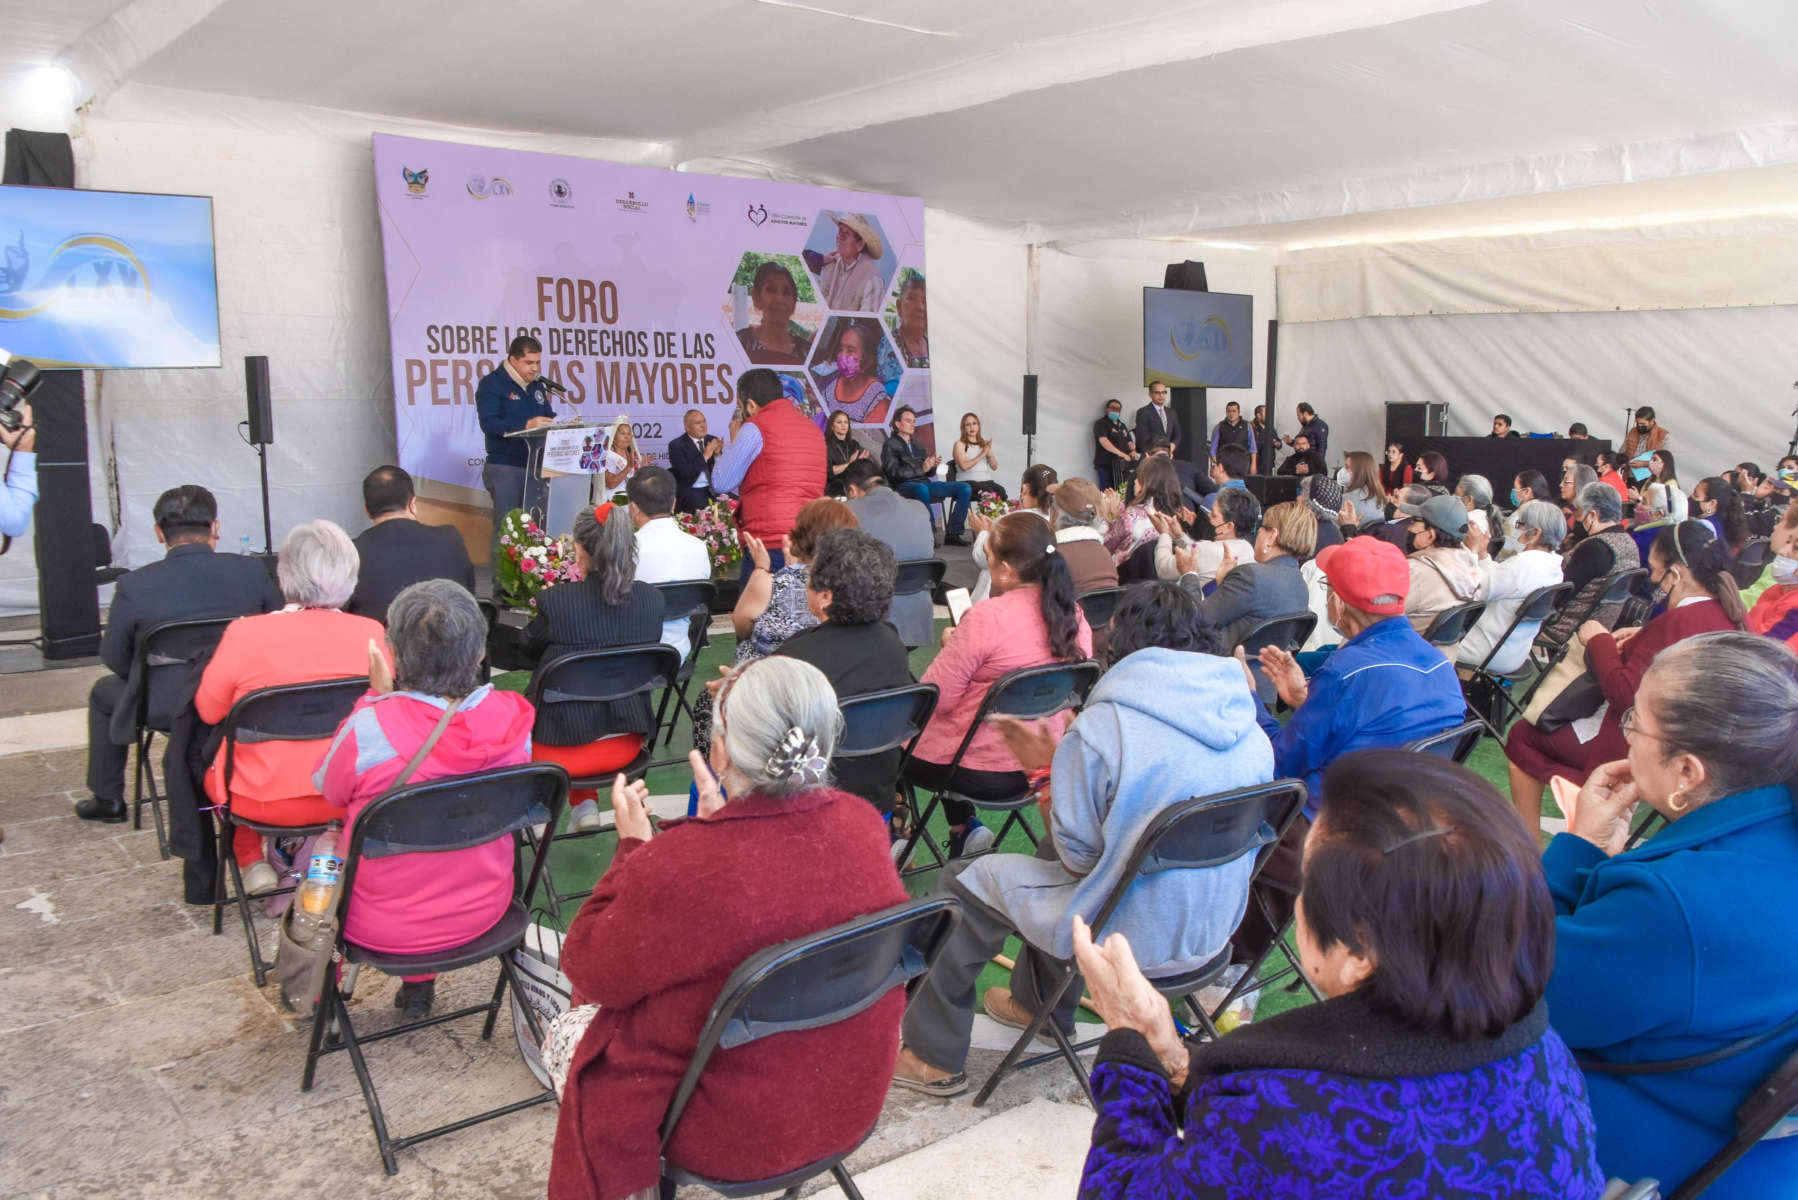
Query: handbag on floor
1570, 675
300, 968
544, 991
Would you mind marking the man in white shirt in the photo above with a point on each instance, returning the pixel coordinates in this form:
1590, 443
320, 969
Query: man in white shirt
18, 489
666, 553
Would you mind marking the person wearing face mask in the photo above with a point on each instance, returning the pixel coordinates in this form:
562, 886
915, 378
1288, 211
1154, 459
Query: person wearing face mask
1432, 472
1271, 586
1444, 573
1604, 550
855, 387
1536, 563
1322, 494
1775, 613
1114, 447
1645, 437
1653, 514
1361, 487
910, 470
1721, 507
1689, 569
1530, 485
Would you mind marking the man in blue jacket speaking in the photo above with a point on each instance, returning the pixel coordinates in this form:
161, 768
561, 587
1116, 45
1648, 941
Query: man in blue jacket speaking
1382, 688
510, 399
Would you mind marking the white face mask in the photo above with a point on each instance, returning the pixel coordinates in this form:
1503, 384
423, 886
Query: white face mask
1785, 570
1343, 476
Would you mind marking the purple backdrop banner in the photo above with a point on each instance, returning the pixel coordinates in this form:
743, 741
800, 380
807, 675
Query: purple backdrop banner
651, 291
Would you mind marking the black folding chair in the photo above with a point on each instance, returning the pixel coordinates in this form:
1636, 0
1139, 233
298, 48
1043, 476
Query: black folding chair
809, 983
914, 575
1204, 831
1770, 1113
292, 712
437, 816
1453, 624
694, 598
1752, 560
1545, 654
1029, 694
1453, 744
1487, 693
1288, 633
1099, 604
603, 676
163, 670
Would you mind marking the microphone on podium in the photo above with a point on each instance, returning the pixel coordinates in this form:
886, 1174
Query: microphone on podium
551, 384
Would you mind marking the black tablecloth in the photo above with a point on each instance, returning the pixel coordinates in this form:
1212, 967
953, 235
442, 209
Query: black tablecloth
1501, 460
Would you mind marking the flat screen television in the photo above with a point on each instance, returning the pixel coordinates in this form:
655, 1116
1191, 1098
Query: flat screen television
1198, 339
107, 279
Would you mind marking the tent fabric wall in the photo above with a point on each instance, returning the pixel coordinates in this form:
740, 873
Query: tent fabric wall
1728, 265
1714, 376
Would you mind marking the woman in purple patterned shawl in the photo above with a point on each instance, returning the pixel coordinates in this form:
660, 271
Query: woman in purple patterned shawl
1428, 1070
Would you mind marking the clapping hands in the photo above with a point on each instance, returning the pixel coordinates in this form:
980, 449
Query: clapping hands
630, 809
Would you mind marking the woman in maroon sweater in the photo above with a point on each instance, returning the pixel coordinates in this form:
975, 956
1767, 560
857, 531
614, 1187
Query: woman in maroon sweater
788, 855
1690, 567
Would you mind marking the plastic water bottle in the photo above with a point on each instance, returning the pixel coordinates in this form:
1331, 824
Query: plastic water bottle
317, 895
243, 546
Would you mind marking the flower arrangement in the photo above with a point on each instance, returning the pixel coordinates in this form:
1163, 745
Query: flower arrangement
716, 526
530, 560
993, 507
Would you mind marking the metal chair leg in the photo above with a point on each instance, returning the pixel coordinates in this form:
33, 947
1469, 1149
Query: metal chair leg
921, 834
1024, 1039
368, 1086
843, 1181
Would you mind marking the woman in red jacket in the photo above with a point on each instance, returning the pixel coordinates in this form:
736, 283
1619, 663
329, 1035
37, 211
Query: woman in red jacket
310, 639
788, 855
1690, 567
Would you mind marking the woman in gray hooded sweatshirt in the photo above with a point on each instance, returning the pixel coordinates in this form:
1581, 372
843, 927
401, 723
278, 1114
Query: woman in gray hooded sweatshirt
1170, 720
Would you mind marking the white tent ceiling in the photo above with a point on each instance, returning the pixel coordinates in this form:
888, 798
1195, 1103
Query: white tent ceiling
1055, 119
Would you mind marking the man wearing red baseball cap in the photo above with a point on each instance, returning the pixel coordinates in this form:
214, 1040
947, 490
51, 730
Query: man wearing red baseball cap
1383, 687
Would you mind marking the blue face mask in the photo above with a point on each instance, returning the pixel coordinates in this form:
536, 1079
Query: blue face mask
1514, 500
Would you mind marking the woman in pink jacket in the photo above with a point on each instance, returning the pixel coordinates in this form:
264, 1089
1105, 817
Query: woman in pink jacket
419, 903
1030, 620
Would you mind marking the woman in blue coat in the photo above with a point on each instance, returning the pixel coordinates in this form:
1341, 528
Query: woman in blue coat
1684, 946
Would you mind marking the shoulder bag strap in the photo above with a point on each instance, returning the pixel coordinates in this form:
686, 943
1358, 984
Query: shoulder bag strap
443, 723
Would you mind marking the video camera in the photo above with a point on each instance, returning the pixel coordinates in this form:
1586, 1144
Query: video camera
18, 379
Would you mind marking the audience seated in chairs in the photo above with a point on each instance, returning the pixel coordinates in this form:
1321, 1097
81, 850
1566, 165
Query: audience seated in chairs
904, 527
1444, 573
398, 550
666, 553
188, 583
1270, 586
1032, 619
608, 606
1080, 536
1132, 526
1171, 719
911, 470
310, 639
1505, 585
679, 910
1324, 498
1036, 494
1690, 566
1604, 549
848, 590
1234, 512
1775, 613
1430, 1069
1384, 686
420, 903
772, 606
1682, 946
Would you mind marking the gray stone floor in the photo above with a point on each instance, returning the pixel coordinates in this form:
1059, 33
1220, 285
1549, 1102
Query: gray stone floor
138, 1058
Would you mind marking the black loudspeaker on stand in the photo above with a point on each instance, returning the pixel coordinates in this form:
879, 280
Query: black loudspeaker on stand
260, 430
1029, 420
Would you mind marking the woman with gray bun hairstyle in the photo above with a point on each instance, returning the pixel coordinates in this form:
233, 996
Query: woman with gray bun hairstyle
681, 908
1675, 968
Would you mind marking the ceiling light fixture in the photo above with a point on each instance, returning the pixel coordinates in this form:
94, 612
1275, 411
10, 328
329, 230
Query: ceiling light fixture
829, 12
51, 89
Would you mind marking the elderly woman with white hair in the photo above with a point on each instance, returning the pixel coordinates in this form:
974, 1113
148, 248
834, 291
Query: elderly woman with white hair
312, 638
681, 908
1538, 530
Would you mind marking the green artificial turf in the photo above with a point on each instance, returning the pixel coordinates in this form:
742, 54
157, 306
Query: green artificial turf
577, 864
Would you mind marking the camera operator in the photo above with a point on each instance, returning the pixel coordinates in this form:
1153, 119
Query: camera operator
18, 492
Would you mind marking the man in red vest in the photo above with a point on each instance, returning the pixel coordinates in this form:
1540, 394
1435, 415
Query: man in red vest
775, 462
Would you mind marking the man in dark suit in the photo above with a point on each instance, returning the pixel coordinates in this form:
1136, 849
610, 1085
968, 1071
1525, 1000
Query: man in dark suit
398, 551
1156, 419
190, 582
690, 458
903, 526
